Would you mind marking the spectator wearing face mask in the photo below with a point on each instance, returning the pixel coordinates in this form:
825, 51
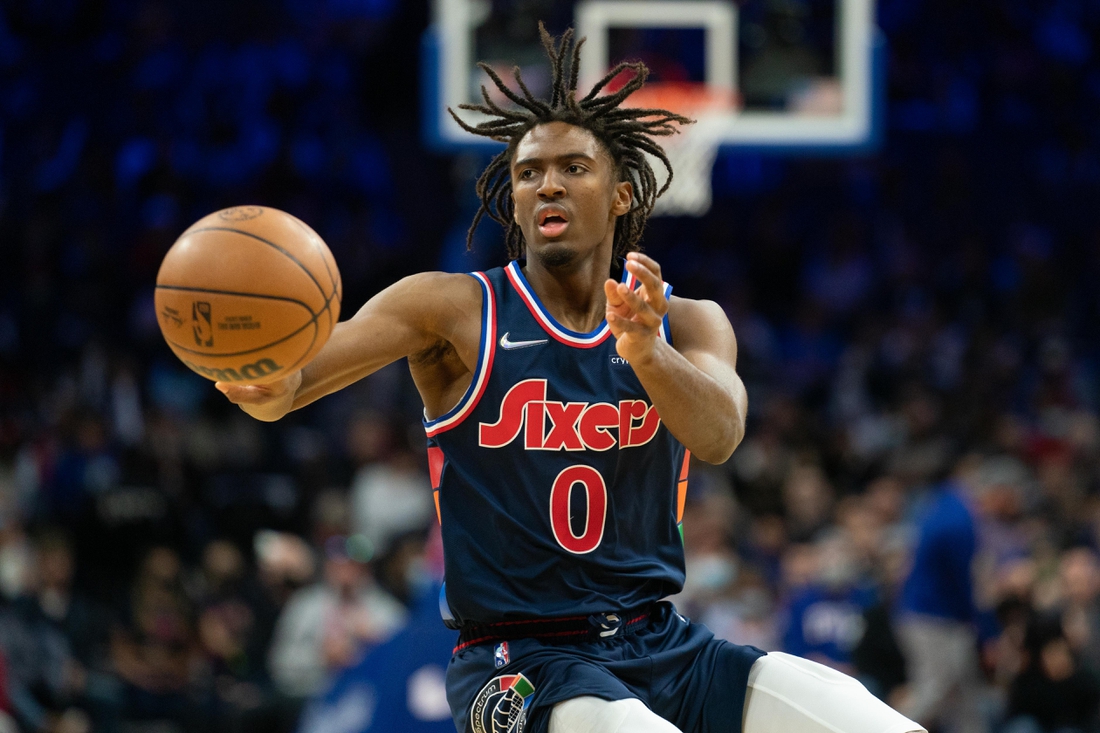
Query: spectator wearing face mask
825, 619
329, 625
723, 591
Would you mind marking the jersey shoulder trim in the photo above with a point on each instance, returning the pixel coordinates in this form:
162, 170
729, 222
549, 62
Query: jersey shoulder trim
486, 350
547, 321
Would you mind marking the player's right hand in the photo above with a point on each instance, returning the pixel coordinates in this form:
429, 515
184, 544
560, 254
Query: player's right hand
267, 402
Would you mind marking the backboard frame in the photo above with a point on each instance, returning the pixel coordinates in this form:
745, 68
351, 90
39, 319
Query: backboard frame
446, 50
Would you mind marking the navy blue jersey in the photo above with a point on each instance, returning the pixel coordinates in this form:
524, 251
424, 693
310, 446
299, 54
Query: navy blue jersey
558, 487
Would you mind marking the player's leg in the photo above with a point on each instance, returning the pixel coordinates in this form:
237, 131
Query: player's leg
596, 715
788, 694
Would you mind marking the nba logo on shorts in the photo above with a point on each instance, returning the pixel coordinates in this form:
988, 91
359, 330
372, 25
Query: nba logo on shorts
201, 325
501, 706
500, 655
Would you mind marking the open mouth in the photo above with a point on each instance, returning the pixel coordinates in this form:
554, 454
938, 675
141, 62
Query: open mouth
552, 223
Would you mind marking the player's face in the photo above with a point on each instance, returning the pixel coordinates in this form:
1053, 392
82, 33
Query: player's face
567, 193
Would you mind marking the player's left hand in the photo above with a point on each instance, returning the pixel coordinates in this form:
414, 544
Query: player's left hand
635, 315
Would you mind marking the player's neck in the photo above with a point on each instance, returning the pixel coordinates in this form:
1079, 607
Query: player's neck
573, 293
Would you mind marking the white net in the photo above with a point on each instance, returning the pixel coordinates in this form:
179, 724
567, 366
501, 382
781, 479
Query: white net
693, 150
692, 154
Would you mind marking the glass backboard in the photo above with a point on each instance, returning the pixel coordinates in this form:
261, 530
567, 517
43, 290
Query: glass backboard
785, 76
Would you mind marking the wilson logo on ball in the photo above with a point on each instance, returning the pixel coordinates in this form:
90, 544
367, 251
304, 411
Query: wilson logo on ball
244, 373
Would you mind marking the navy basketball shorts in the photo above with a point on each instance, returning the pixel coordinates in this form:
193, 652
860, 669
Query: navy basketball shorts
677, 668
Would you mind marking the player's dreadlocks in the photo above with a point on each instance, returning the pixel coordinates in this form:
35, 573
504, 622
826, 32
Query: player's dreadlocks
626, 133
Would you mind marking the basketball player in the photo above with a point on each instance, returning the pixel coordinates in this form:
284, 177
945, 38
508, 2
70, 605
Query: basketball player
560, 407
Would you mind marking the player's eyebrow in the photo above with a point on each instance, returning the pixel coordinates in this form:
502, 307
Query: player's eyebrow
564, 156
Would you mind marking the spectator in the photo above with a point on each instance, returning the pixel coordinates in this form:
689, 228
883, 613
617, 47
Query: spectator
391, 496
825, 619
1052, 693
231, 643
54, 599
16, 558
723, 590
937, 616
153, 644
43, 680
872, 521
1079, 573
329, 625
285, 563
398, 686
808, 501
712, 565
55, 603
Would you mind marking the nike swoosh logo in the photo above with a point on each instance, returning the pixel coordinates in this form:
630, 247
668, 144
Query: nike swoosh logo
506, 344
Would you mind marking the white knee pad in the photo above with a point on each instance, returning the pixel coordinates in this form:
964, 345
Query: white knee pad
596, 715
788, 694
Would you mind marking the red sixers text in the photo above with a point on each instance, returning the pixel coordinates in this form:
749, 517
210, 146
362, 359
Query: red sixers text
571, 426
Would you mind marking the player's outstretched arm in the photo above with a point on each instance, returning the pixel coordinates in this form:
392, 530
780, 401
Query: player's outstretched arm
695, 387
410, 316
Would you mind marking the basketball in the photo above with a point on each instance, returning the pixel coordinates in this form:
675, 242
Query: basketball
248, 295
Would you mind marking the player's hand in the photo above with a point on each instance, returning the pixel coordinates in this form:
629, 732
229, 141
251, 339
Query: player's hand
635, 316
266, 402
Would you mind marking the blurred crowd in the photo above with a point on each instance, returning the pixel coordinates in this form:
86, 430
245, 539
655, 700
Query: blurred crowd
917, 501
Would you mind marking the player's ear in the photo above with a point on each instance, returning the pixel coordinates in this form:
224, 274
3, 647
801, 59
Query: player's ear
515, 214
624, 196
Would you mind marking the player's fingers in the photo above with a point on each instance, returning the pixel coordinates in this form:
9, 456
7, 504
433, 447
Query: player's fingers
235, 393
245, 394
615, 301
630, 298
646, 260
633, 299
622, 311
610, 289
227, 389
646, 275
619, 321
643, 311
652, 286
621, 325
